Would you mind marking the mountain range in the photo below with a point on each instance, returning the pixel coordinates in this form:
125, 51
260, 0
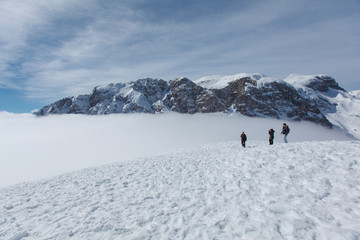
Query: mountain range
315, 98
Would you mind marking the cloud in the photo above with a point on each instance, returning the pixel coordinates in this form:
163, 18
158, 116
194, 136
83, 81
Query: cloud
62, 48
22, 27
56, 144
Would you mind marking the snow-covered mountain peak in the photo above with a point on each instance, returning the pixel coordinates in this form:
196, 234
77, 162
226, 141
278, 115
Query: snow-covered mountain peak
218, 81
319, 82
110, 86
267, 80
299, 80
181, 81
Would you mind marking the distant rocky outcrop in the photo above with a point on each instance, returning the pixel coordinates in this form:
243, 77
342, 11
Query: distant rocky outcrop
250, 96
323, 84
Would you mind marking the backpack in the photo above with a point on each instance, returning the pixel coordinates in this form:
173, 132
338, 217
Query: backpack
287, 130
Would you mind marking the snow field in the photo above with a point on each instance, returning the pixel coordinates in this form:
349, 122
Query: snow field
303, 190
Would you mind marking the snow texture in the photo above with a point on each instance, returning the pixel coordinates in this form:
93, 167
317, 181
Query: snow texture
303, 190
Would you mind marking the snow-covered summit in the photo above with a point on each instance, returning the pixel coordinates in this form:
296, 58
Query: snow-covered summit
319, 82
218, 81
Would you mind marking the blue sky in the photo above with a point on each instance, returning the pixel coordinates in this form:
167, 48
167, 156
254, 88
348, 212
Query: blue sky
59, 48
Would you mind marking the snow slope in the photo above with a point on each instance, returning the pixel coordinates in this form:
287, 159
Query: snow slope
303, 190
346, 114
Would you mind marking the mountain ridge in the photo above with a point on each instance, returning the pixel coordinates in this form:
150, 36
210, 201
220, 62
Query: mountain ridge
297, 97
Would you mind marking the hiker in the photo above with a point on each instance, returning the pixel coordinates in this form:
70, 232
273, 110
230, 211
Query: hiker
285, 130
271, 136
243, 139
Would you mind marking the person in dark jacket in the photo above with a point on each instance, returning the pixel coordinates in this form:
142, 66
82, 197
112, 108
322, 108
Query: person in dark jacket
285, 130
271, 136
243, 139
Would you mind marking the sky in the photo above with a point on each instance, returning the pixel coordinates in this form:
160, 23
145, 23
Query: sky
59, 48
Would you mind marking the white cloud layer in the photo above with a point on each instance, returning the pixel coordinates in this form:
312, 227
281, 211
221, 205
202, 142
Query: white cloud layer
34, 148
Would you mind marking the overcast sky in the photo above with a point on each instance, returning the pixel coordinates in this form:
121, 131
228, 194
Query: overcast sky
58, 48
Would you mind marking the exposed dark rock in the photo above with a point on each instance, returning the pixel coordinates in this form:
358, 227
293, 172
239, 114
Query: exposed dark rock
187, 97
182, 96
323, 83
208, 102
69, 105
152, 89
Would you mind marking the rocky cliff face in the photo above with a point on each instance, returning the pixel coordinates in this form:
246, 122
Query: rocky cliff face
255, 97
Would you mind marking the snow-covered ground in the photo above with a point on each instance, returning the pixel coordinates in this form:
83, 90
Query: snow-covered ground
33, 148
301, 190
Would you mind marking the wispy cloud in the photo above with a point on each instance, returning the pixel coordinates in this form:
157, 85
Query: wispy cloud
25, 27
53, 49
